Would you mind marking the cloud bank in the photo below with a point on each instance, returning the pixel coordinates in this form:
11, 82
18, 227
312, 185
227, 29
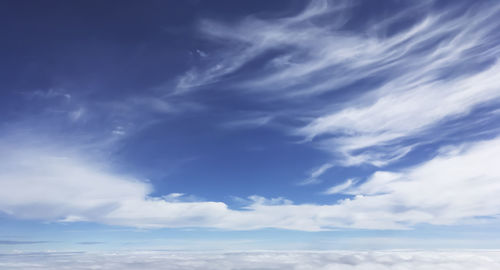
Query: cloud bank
459, 185
338, 260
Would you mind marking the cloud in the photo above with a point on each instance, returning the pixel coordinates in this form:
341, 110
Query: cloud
441, 64
15, 242
459, 185
341, 187
398, 115
77, 114
247, 40
313, 178
249, 122
327, 260
90, 243
50, 93
51, 184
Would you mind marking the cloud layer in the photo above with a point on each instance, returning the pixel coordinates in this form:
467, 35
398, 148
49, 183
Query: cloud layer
338, 260
459, 185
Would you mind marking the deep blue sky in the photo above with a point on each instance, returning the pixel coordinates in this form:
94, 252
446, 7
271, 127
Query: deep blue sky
300, 121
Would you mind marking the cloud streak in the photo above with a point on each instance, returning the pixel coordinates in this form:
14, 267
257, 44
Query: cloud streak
315, 174
440, 66
341, 188
16, 242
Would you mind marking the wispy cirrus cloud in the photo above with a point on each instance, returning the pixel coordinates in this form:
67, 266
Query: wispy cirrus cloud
411, 71
341, 188
90, 243
315, 174
21, 242
249, 39
254, 122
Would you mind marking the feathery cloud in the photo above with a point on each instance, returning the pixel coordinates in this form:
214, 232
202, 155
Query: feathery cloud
440, 67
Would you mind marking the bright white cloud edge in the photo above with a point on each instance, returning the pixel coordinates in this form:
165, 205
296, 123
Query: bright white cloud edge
459, 185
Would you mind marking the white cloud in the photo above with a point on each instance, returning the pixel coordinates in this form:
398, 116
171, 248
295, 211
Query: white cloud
53, 185
340, 188
249, 122
420, 97
399, 115
50, 93
246, 40
441, 67
299, 260
315, 174
457, 186
77, 114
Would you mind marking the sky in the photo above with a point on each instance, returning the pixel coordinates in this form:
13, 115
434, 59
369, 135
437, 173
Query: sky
249, 125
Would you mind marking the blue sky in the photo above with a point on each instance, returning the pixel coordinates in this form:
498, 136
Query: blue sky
249, 125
